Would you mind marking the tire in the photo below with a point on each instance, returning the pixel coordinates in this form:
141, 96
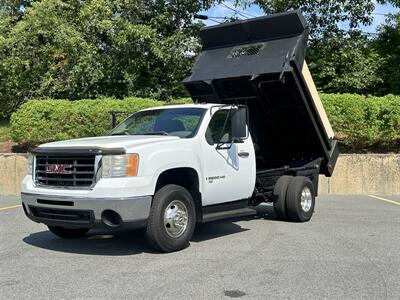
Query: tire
279, 196
68, 233
162, 233
300, 187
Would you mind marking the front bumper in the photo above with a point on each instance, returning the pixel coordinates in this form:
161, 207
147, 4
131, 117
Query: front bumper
80, 211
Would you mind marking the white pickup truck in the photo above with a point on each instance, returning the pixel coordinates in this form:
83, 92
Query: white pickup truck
256, 133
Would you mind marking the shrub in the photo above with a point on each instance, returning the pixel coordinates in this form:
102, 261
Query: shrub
360, 123
39, 121
4, 131
364, 123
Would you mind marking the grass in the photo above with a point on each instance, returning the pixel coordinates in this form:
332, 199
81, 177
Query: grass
4, 131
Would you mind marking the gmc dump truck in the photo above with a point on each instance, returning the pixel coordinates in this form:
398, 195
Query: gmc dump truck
257, 132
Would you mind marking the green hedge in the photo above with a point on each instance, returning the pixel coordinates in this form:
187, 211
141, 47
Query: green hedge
39, 121
360, 123
364, 124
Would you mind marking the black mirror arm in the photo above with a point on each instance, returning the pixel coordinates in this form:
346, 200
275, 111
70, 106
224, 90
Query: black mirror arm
220, 146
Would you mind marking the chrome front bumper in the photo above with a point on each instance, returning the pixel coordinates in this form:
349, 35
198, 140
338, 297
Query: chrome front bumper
77, 211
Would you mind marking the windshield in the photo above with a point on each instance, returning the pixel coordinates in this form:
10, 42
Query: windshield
181, 122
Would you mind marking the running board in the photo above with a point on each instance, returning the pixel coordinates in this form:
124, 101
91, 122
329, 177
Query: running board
228, 214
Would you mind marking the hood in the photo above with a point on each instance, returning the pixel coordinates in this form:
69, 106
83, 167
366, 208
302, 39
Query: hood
110, 142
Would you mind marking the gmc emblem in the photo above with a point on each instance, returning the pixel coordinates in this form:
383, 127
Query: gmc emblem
58, 169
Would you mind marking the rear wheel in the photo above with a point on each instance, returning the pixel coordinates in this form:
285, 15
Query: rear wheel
172, 219
68, 233
279, 196
300, 199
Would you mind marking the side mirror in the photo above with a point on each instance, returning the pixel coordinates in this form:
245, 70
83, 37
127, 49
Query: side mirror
239, 123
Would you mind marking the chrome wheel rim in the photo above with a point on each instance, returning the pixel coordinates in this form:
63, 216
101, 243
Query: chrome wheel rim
306, 199
175, 218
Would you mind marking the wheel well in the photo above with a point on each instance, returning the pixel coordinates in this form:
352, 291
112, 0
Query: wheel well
187, 178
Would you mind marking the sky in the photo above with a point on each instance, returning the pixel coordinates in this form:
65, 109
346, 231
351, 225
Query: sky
223, 10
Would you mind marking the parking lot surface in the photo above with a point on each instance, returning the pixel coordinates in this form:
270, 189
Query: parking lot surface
349, 250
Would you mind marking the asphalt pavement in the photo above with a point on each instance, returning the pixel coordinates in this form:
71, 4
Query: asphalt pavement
349, 250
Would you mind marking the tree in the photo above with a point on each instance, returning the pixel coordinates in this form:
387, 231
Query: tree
344, 60
325, 16
98, 48
388, 46
345, 63
75, 49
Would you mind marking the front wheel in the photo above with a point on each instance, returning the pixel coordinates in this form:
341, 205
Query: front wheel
68, 233
172, 219
300, 199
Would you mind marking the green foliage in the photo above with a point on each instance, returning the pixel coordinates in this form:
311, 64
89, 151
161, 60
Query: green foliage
342, 61
360, 123
324, 16
387, 44
39, 121
345, 63
144, 48
94, 49
364, 123
4, 131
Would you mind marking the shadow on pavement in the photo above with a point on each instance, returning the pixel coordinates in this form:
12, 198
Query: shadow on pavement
96, 242
130, 242
226, 227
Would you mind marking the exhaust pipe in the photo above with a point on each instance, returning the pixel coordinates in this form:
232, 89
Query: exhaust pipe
111, 218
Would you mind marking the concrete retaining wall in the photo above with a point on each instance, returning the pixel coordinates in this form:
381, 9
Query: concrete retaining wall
354, 174
364, 174
12, 170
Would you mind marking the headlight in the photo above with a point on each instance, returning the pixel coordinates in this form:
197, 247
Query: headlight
120, 165
30, 163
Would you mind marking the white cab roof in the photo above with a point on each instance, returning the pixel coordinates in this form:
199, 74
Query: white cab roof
188, 105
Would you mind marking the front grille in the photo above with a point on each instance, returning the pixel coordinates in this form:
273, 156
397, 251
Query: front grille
77, 216
65, 171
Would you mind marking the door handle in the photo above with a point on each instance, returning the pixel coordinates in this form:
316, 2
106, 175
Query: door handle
244, 154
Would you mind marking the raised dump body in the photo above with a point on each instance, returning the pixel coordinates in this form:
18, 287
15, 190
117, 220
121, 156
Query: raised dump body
260, 62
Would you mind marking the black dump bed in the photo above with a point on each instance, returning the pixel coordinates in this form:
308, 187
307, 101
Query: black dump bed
260, 62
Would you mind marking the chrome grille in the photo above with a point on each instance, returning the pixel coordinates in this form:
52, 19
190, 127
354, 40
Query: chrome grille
65, 171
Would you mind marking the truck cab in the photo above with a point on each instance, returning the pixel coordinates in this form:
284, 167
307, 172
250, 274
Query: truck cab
256, 133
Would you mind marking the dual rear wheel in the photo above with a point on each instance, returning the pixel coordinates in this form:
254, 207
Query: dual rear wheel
294, 198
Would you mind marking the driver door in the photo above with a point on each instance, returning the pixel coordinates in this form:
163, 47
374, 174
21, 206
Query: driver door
229, 168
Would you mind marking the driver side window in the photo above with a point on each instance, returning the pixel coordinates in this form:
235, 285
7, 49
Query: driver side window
216, 132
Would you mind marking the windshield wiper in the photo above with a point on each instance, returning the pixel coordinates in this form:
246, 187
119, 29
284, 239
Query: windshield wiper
156, 133
120, 133
144, 133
